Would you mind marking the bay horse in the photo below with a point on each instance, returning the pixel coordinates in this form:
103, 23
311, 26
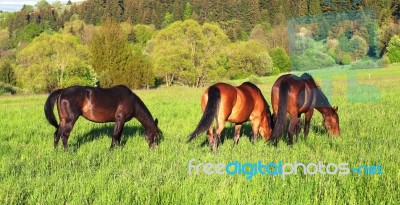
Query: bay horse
296, 95
116, 104
239, 104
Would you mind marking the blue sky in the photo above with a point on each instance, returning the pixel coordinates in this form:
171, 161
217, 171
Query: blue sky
16, 5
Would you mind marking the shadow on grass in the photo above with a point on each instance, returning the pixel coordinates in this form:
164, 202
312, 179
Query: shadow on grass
97, 132
229, 131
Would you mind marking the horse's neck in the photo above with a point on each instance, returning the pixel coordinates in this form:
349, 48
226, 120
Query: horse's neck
144, 117
324, 110
322, 104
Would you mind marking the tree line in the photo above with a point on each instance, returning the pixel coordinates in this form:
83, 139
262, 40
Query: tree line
150, 42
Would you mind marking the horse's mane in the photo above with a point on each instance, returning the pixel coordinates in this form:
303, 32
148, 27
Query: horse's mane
142, 112
266, 106
322, 100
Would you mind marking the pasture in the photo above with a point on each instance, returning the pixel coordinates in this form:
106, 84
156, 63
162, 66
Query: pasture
32, 172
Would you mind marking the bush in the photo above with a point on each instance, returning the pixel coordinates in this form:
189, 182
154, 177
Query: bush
280, 59
366, 63
312, 60
254, 79
7, 74
7, 89
393, 49
346, 59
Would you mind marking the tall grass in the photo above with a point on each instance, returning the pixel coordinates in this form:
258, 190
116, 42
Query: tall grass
32, 172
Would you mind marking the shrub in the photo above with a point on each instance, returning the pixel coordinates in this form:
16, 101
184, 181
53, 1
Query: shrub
7, 89
366, 63
280, 59
393, 49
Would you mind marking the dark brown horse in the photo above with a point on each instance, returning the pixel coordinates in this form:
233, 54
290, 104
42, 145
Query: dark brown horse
117, 104
294, 95
224, 102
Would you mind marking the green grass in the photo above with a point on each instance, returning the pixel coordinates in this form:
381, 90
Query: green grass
32, 172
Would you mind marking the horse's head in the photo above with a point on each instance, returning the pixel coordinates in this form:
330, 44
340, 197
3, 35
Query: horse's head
266, 126
153, 135
331, 122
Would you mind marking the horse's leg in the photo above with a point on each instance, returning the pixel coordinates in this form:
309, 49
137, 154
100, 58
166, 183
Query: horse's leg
57, 136
255, 127
65, 129
217, 134
297, 127
210, 135
308, 116
237, 133
293, 123
116, 138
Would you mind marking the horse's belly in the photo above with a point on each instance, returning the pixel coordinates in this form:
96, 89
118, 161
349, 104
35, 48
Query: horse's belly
239, 115
98, 115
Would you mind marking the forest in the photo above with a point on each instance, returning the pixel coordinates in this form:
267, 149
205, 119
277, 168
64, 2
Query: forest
148, 43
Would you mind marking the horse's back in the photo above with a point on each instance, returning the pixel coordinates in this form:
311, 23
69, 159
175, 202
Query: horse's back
97, 104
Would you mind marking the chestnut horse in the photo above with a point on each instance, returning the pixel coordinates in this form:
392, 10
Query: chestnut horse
294, 95
234, 104
116, 104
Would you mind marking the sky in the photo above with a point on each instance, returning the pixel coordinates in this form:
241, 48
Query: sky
16, 5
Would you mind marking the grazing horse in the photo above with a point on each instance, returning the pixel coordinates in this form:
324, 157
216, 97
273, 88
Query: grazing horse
116, 104
234, 104
294, 95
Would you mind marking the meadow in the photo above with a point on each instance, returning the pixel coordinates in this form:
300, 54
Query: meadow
32, 172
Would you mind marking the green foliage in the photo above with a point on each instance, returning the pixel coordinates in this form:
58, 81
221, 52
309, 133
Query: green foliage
393, 49
80, 29
5, 42
143, 33
7, 74
42, 4
346, 59
188, 53
359, 47
53, 61
7, 89
310, 60
280, 59
168, 19
114, 61
366, 63
29, 32
187, 13
27, 8
246, 58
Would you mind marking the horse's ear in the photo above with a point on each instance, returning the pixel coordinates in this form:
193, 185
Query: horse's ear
335, 108
156, 122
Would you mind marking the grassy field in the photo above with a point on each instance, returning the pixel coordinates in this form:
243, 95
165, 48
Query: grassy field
32, 172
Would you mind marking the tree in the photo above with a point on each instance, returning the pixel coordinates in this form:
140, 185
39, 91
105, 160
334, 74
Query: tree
188, 53
42, 4
110, 54
27, 8
114, 61
29, 32
280, 59
187, 13
168, 19
247, 58
7, 74
53, 61
393, 49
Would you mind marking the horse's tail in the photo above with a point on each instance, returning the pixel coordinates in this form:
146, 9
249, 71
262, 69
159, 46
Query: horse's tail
49, 106
214, 99
280, 122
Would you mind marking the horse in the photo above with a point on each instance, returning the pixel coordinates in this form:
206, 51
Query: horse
296, 95
233, 104
116, 104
